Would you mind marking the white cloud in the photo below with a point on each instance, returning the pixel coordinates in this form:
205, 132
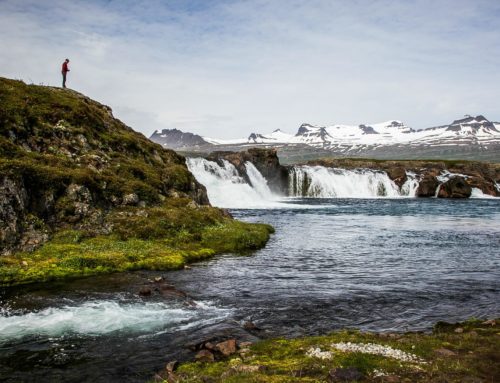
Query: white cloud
224, 69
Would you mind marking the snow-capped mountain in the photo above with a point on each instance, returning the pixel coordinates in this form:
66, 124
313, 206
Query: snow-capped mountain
175, 139
335, 135
476, 136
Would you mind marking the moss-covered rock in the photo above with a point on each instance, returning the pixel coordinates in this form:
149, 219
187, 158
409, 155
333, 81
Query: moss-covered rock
66, 164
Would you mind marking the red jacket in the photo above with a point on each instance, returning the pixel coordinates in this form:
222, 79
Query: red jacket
65, 67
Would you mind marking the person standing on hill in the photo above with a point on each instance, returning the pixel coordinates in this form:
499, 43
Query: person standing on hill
64, 71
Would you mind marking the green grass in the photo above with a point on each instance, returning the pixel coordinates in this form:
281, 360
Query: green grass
284, 360
71, 254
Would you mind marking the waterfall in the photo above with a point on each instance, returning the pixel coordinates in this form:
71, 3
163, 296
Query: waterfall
322, 182
227, 188
409, 188
258, 182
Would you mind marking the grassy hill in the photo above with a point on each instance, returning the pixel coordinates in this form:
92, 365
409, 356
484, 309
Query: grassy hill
81, 193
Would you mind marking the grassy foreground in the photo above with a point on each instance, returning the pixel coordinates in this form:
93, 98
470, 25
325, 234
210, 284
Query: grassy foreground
465, 352
159, 238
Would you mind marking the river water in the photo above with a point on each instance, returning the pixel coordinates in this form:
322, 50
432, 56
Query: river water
374, 264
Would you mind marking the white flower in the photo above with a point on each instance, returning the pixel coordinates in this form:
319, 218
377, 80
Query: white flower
377, 349
317, 353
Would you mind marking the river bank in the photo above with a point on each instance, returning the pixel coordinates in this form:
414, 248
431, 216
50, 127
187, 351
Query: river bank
460, 352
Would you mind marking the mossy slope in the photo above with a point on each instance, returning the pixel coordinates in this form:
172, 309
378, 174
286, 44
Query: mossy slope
67, 165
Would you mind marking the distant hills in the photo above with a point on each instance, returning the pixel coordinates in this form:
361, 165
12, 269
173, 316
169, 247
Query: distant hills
472, 137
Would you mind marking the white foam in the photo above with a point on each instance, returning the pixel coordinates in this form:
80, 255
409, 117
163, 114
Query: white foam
101, 317
446, 175
409, 188
478, 193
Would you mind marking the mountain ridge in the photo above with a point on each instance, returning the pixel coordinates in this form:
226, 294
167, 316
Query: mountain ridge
471, 137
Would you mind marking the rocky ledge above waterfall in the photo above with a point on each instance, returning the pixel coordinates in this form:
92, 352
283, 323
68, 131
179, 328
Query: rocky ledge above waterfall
444, 179
362, 178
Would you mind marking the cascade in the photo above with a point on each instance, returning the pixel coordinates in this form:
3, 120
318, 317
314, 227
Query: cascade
226, 188
258, 182
322, 182
409, 188
99, 317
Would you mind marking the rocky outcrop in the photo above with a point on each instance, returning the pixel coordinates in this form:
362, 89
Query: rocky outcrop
265, 160
427, 186
66, 162
397, 174
455, 187
13, 201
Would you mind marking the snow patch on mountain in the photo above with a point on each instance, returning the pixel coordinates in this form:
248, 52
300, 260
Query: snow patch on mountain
393, 132
471, 136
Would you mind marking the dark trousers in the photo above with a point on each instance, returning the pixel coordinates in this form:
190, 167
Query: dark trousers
64, 79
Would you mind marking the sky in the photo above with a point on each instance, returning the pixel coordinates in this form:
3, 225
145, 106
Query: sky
226, 69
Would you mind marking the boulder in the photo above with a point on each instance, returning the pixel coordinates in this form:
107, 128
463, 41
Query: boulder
209, 346
398, 175
130, 199
79, 193
227, 347
249, 326
145, 291
455, 187
487, 186
427, 186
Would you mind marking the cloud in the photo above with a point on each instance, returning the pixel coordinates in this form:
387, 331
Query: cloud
227, 68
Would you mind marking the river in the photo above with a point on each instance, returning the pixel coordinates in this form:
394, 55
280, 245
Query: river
378, 264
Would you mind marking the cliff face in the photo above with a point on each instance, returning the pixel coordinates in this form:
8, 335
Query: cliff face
66, 162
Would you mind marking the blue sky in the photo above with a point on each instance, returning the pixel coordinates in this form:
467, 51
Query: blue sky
228, 68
